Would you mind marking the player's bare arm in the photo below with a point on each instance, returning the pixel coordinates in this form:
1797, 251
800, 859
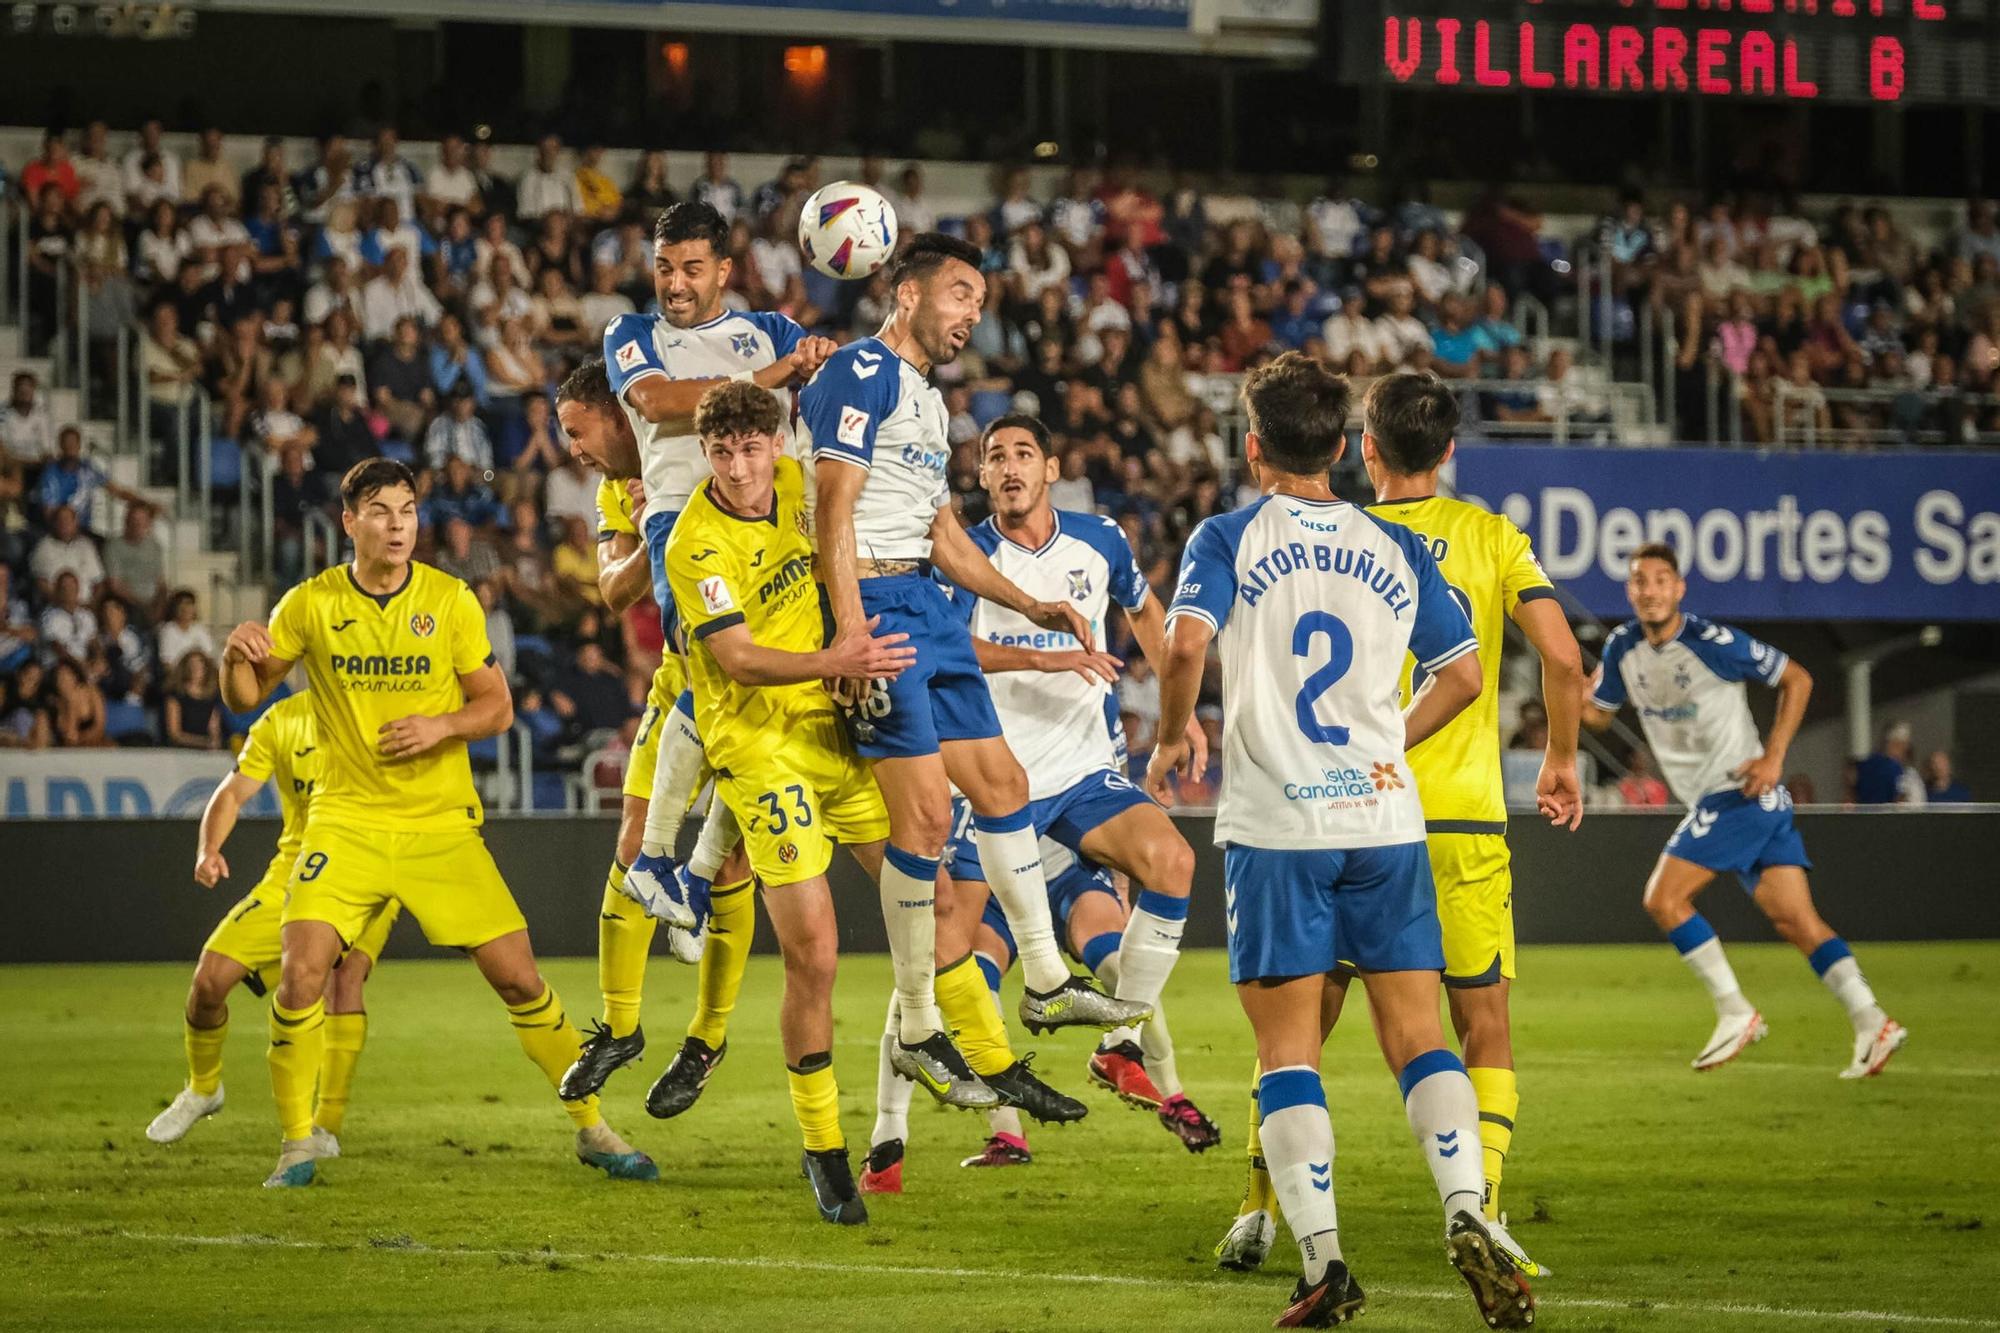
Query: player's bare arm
1558, 792
218, 819
671, 403
624, 575
488, 711
1767, 770
863, 657
1149, 627
967, 566
1186, 656
998, 658
250, 670
1443, 697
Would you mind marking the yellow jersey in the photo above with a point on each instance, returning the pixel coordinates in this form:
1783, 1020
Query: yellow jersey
283, 748
614, 510
1491, 567
755, 572
372, 660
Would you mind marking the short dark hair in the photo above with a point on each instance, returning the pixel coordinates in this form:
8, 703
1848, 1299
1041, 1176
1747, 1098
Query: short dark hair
738, 407
589, 384
1037, 429
366, 478
1657, 551
926, 253
692, 221
1412, 414
1298, 408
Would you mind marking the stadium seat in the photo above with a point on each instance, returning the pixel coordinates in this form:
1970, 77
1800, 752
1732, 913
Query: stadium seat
225, 464
124, 719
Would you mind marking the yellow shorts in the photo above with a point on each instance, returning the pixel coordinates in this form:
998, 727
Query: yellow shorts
668, 682
1475, 897
446, 878
251, 935
796, 804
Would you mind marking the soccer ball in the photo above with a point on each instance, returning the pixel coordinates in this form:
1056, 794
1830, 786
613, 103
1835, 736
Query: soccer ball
847, 230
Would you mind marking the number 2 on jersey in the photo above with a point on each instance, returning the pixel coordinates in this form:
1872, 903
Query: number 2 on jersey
1340, 644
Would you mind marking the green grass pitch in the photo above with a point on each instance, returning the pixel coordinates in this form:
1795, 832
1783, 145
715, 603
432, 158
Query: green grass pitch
1767, 1195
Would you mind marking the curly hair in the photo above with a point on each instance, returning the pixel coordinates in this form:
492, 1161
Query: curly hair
740, 407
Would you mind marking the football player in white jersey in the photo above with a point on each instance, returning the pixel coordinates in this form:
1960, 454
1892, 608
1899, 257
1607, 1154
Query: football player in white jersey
1313, 604
659, 367
1685, 677
884, 518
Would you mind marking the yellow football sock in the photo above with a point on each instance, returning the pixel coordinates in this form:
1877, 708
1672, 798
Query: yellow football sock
816, 1101
1258, 1194
732, 920
298, 1044
553, 1043
204, 1053
345, 1034
1499, 1101
624, 937
968, 1009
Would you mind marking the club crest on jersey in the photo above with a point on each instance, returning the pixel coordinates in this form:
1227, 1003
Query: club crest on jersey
788, 852
1079, 584
423, 624
630, 357
743, 344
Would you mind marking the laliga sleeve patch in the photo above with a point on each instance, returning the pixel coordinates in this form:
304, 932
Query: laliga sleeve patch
715, 595
631, 356
853, 427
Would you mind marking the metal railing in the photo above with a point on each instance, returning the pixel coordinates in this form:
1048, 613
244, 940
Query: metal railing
1725, 404
1796, 412
1620, 405
1596, 304
21, 276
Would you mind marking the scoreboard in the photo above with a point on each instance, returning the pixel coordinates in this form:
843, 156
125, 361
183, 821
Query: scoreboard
1880, 51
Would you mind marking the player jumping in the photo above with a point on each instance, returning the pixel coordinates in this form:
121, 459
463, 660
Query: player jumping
245, 945
884, 519
1685, 676
1313, 605
402, 677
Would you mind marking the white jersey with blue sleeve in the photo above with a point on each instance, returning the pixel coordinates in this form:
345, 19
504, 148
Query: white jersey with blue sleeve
1055, 723
637, 347
871, 408
1314, 604
1690, 698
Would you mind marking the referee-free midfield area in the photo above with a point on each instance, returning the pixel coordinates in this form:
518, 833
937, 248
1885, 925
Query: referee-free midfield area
1764, 1195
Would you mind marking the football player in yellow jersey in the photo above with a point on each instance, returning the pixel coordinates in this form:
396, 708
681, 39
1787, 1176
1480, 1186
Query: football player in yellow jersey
599, 434
244, 946
1408, 420
740, 565
402, 677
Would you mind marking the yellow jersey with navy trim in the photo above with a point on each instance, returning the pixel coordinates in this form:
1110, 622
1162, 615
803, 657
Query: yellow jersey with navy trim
1491, 567
372, 660
758, 573
283, 748
614, 510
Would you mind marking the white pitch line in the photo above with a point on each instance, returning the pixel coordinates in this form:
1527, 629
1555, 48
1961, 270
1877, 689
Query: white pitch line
1750, 1061
1634, 1305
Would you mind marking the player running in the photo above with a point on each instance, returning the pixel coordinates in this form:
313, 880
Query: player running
245, 945
600, 435
402, 677
1313, 605
659, 366
740, 564
1685, 676
884, 521
1490, 569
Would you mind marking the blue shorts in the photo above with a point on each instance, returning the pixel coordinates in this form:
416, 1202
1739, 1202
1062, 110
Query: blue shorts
1066, 817
942, 698
1297, 913
659, 527
1728, 831
1083, 877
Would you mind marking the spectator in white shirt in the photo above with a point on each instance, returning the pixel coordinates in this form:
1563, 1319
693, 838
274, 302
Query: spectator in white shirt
209, 170
214, 229
334, 291
717, 189
181, 634
459, 433
388, 174
913, 214
99, 179
603, 302
1035, 263
494, 243
26, 435
1348, 331
65, 550
1406, 343
393, 231
151, 144
570, 492
547, 187
68, 625
451, 183
328, 180
398, 292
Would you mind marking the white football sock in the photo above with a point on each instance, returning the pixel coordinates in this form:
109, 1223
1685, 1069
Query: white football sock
892, 1090
1702, 952
1012, 859
1443, 1111
1151, 947
719, 837
674, 776
909, 906
1298, 1149
1158, 1045
1842, 975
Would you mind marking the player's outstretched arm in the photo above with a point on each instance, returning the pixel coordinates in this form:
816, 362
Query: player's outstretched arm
967, 566
488, 711
218, 820
1443, 697
671, 403
996, 658
1558, 792
250, 669
862, 657
1186, 655
1767, 770
624, 572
